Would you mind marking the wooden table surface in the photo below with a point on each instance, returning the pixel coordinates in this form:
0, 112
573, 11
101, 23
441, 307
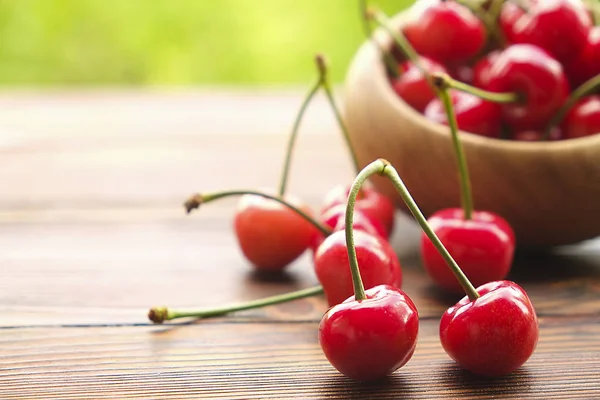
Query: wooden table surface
93, 233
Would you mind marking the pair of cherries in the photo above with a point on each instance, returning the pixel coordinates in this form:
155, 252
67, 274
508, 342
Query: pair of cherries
492, 331
538, 64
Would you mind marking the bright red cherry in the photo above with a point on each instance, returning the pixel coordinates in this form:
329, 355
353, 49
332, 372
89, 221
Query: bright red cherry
583, 119
537, 135
334, 219
412, 86
473, 114
560, 27
586, 64
271, 235
378, 262
509, 14
494, 334
369, 339
374, 205
529, 71
447, 32
482, 246
481, 70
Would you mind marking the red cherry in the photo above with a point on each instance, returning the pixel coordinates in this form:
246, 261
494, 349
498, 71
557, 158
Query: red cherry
447, 32
586, 64
374, 205
537, 135
378, 262
461, 72
473, 114
530, 71
369, 339
493, 335
334, 219
509, 14
271, 235
481, 70
412, 86
560, 27
583, 119
483, 247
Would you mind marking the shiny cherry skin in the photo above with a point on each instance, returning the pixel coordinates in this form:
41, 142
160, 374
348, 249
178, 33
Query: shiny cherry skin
271, 235
560, 27
378, 262
481, 69
370, 339
374, 205
531, 72
334, 219
411, 85
446, 32
509, 14
494, 334
473, 114
583, 119
483, 247
586, 64
536, 135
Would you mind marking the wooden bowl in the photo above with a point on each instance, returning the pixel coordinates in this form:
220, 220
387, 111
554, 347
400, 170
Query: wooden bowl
549, 192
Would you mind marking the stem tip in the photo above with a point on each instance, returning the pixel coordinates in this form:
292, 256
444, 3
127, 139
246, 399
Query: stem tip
193, 202
158, 315
322, 64
440, 80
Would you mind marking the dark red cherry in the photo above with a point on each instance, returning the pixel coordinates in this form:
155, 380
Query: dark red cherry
583, 119
531, 72
473, 114
461, 72
560, 27
481, 69
447, 32
586, 64
412, 86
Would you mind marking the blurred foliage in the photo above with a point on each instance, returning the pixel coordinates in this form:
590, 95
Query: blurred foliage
149, 42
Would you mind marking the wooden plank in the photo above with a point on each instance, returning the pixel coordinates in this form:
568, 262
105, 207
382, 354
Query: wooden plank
272, 360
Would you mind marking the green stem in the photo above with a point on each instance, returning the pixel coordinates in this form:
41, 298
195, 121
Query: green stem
336, 111
294, 134
388, 59
441, 79
383, 167
198, 199
588, 87
466, 196
489, 19
160, 314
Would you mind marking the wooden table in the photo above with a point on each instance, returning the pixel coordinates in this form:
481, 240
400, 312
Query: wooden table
92, 233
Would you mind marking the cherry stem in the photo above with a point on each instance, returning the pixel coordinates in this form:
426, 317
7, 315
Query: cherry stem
589, 86
441, 79
158, 315
323, 69
390, 62
198, 199
296, 127
488, 18
383, 167
466, 196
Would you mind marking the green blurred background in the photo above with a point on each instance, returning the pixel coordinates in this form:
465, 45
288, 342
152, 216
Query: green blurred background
176, 42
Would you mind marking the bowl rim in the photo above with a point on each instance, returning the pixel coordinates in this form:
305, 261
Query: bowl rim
380, 81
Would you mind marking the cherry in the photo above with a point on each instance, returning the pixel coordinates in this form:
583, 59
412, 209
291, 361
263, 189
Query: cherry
509, 14
412, 86
560, 27
536, 135
271, 231
529, 71
369, 339
583, 119
483, 246
374, 205
473, 114
493, 334
461, 72
586, 64
447, 32
481, 70
379, 264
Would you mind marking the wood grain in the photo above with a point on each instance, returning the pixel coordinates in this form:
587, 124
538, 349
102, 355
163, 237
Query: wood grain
272, 360
93, 233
